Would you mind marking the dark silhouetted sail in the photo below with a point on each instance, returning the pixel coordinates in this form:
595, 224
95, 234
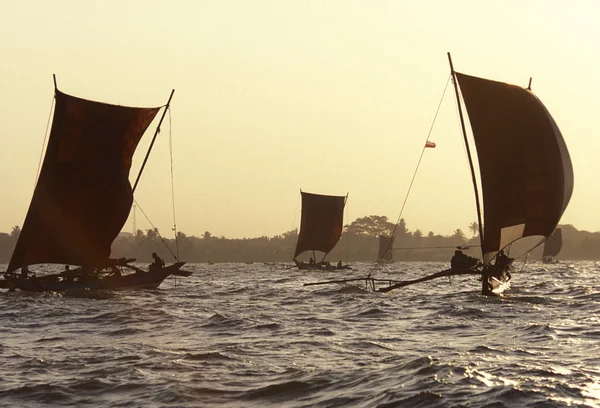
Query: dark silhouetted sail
321, 223
83, 196
554, 244
526, 171
386, 244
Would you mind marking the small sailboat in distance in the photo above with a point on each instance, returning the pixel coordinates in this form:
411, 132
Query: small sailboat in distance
386, 249
552, 246
82, 200
321, 227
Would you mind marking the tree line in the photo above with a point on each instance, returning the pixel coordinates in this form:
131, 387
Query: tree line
359, 243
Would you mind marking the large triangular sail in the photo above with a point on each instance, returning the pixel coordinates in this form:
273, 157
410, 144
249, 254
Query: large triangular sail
83, 195
321, 223
554, 244
525, 169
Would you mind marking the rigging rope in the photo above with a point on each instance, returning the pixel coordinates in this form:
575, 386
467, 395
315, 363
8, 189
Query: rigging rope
294, 221
296, 213
525, 260
44, 142
155, 229
173, 185
347, 239
413, 177
176, 257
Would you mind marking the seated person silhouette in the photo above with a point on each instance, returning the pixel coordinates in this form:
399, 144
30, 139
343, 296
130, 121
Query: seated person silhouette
158, 262
462, 261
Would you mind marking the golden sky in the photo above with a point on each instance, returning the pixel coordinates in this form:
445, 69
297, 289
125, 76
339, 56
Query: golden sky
271, 97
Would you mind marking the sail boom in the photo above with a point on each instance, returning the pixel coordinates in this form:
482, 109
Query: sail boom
156, 132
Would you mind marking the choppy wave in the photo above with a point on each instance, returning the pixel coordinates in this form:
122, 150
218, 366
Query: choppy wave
239, 335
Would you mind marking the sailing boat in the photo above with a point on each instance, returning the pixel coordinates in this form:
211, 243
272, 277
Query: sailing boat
552, 246
526, 177
82, 200
320, 229
525, 169
386, 250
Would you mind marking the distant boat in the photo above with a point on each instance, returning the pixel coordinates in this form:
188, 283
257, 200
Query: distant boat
82, 200
552, 247
525, 169
386, 249
320, 229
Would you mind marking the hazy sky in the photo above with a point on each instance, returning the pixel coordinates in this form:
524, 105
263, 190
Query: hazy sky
271, 97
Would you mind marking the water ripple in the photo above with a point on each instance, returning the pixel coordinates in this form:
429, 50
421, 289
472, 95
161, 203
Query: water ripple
239, 335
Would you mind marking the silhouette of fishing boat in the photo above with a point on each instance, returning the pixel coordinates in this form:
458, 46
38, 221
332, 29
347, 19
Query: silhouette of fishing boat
82, 200
552, 247
525, 172
385, 253
320, 230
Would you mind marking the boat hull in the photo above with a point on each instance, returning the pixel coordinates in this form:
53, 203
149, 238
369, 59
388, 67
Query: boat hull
139, 280
549, 260
496, 283
499, 286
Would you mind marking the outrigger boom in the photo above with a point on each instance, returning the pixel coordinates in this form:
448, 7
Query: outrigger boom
395, 284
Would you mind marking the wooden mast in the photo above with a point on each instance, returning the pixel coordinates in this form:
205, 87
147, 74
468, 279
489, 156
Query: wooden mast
464, 132
153, 139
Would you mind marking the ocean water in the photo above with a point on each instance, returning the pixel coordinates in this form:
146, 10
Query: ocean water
237, 335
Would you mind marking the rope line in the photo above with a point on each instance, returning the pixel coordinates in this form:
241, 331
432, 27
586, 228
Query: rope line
176, 257
347, 239
173, 184
295, 214
44, 142
378, 263
155, 229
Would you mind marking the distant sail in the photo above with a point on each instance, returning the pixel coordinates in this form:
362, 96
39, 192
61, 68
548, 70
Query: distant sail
526, 171
321, 223
554, 244
83, 196
386, 250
